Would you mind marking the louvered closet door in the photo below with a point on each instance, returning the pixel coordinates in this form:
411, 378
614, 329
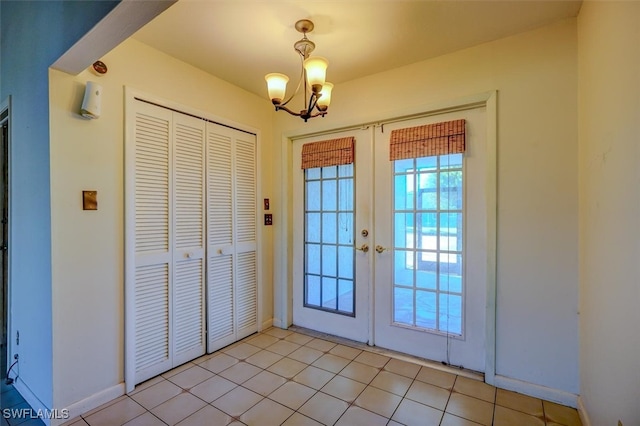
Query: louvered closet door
153, 258
188, 254
169, 310
231, 235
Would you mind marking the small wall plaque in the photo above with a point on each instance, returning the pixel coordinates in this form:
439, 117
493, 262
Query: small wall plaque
89, 200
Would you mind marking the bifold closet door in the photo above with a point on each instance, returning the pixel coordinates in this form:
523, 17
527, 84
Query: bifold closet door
231, 235
165, 188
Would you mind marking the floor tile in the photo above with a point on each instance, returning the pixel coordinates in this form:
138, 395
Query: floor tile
374, 360
264, 359
77, 421
313, 377
413, 413
392, 382
519, 402
11, 398
324, 408
506, 417
283, 347
219, 363
345, 351
469, 408
207, 416
475, 388
277, 332
178, 408
298, 419
146, 419
560, 414
356, 416
242, 351
144, 385
292, 395
191, 377
119, 413
213, 388
156, 394
305, 354
298, 338
237, 401
378, 401
266, 412
343, 388
177, 370
240, 372
287, 367
427, 394
105, 405
331, 363
320, 344
264, 383
360, 372
402, 368
262, 340
450, 420
436, 377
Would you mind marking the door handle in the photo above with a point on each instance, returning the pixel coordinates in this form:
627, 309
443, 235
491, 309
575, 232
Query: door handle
380, 249
363, 248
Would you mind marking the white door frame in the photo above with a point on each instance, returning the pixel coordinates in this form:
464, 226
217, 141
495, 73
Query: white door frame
283, 268
130, 95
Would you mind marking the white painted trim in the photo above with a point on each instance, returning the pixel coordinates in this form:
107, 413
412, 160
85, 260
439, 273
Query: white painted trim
278, 323
31, 398
117, 26
283, 242
582, 412
267, 324
97, 399
537, 391
6, 105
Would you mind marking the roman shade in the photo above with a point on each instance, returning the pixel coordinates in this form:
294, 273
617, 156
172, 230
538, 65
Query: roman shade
431, 139
332, 152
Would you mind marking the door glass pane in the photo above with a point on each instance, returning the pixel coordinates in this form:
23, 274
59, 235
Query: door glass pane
428, 241
329, 231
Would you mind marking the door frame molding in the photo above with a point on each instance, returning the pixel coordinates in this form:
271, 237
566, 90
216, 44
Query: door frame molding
130, 96
283, 263
5, 105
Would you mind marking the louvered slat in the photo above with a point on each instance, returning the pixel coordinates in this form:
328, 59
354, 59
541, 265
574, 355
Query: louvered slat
152, 315
151, 183
246, 284
245, 180
219, 189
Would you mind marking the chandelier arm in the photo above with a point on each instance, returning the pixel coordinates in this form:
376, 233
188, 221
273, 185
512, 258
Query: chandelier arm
299, 83
284, 108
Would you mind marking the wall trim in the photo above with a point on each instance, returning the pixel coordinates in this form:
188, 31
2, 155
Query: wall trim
278, 323
266, 324
537, 391
97, 399
582, 412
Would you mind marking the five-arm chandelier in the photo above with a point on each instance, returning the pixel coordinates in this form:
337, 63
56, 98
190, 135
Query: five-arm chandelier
317, 92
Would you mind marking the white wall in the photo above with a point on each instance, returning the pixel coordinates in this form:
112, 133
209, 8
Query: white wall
87, 246
537, 278
609, 125
33, 35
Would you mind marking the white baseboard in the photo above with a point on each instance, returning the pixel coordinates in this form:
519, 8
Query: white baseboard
267, 324
31, 398
582, 411
538, 391
97, 399
277, 323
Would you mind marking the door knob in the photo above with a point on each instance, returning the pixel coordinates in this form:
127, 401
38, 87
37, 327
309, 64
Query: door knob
363, 248
380, 249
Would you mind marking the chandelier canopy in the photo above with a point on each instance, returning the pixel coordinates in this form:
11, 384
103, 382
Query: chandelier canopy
317, 91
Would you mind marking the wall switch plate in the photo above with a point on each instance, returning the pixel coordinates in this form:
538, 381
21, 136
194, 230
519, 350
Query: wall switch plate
266, 204
89, 200
268, 219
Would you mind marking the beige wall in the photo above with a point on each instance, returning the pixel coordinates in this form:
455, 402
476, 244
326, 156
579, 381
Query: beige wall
535, 74
609, 129
87, 246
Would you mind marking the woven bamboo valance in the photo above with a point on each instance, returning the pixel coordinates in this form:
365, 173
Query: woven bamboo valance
333, 152
429, 140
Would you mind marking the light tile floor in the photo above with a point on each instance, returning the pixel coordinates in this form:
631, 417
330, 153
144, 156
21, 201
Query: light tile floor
282, 377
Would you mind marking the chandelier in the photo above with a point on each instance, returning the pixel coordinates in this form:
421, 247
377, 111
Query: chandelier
317, 92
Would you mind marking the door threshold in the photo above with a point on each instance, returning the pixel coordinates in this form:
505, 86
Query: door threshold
471, 374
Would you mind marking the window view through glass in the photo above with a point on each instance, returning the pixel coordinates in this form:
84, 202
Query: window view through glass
329, 239
428, 230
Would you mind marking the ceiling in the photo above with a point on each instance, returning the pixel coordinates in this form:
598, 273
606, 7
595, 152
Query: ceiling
242, 40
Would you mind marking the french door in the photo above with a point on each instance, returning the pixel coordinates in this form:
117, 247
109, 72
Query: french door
420, 273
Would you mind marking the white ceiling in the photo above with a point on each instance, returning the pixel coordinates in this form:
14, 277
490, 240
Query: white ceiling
242, 40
